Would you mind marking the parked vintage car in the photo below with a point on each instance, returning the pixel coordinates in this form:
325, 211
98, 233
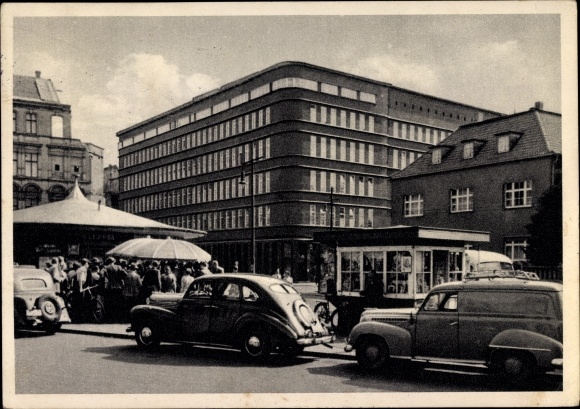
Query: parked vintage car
254, 313
36, 305
487, 322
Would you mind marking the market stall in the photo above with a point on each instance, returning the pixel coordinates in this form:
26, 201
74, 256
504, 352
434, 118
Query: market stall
407, 261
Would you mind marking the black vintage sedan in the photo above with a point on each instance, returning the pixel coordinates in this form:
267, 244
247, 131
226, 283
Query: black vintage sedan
254, 313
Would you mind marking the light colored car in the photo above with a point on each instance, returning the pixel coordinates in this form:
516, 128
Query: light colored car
254, 313
503, 324
36, 305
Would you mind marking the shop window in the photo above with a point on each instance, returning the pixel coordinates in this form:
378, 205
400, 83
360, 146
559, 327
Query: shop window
398, 269
350, 271
423, 272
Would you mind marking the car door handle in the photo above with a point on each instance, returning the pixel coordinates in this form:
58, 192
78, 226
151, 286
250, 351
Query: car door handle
454, 323
210, 306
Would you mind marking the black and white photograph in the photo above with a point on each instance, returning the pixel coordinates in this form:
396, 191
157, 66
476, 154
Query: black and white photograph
290, 204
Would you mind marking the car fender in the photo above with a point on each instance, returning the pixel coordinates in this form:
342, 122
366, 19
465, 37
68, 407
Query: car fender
544, 348
166, 320
266, 320
398, 339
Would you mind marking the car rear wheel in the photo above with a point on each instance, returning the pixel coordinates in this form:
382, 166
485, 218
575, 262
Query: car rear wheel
372, 353
256, 343
49, 308
147, 335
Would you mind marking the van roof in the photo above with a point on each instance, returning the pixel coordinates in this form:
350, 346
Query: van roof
500, 283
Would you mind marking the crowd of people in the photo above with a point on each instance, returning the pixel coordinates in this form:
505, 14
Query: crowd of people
122, 284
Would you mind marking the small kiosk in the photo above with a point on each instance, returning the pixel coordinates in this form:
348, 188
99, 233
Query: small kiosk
410, 260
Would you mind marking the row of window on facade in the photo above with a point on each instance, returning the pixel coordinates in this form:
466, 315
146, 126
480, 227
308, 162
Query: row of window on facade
247, 96
26, 164
198, 138
31, 195
360, 121
220, 220
320, 215
320, 181
31, 124
212, 162
232, 157
335, 148
515, 194
202, 193
479, 116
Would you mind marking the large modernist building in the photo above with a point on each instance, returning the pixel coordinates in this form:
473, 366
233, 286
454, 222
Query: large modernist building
320, 145
485, 176
46, 159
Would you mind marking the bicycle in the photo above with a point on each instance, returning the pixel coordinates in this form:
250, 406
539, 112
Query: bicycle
86, 307
325, 315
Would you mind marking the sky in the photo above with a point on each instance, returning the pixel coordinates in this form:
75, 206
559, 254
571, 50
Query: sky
116, 71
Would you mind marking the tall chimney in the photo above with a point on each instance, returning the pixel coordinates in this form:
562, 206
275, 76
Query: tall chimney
37, 74
539, 105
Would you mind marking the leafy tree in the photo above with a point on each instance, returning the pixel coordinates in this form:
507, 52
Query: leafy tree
545, 244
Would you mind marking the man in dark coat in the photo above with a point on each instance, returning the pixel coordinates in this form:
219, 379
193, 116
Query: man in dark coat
115, 278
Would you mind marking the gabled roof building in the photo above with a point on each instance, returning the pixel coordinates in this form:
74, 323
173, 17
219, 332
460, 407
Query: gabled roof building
46, 159
485, 176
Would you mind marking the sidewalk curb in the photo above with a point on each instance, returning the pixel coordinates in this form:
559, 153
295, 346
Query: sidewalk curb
306, 352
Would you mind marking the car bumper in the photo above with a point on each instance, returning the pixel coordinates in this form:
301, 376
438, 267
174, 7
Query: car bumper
315, 341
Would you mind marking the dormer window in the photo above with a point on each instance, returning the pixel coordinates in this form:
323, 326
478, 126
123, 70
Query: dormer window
503, 144
436, 156
472, 147
468, 150
439, 152
507, 140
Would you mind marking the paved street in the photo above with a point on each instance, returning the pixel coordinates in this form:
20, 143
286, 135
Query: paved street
103, 365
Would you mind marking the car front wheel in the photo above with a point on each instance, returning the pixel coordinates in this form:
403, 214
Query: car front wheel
147, 335
256, 343
372, 353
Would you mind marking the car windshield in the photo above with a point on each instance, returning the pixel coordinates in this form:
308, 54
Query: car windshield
495, 265
283, 288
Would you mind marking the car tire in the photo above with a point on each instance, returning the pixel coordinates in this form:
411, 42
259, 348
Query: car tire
49, 308
147, 335
516, 367
372, 353
256, 343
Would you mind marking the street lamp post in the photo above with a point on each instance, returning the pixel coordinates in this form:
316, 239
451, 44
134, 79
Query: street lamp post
331, 208
252, 209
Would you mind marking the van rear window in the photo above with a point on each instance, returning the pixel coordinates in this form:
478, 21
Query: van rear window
506, 303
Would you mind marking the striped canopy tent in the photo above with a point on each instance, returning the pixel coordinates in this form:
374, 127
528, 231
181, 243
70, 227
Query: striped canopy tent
78, 212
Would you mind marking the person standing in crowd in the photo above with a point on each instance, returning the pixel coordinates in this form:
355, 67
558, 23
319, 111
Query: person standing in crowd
115, 278
168, 280
132, 289
216, 268
54, 271
236, 268
374, 289
203, 268
151, 280
186, 280
277, 274
288, 278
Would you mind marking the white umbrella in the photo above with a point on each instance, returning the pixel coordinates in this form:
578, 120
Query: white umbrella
160, 249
